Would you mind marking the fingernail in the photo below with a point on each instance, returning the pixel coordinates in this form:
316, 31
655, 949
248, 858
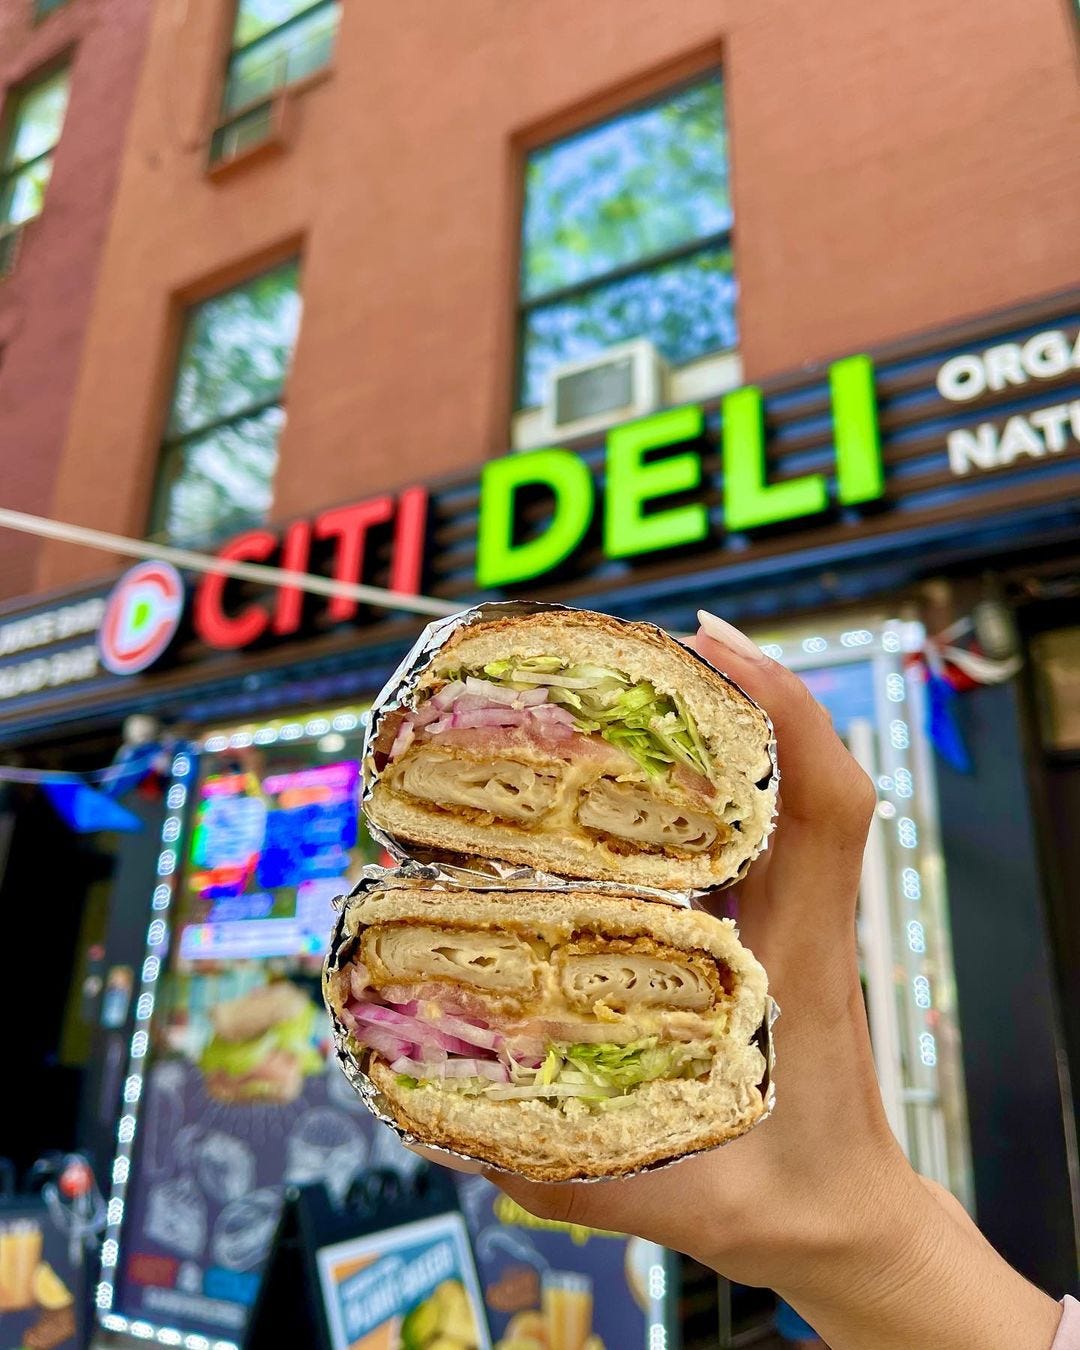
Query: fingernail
729, 637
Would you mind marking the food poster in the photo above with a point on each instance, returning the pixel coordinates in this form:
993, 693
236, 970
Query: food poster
37, 1282
239, 1095
555, 1286
408, 1288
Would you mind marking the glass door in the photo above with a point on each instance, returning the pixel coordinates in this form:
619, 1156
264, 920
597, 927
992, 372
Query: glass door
864, 678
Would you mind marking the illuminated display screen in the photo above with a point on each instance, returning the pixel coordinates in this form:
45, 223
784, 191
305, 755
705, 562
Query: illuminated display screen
272, 842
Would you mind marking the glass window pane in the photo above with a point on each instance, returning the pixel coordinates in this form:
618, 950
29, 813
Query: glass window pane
221, 482
645, 182
282, 57
39, 117
236, 350
256, 17
687, 308
23, 194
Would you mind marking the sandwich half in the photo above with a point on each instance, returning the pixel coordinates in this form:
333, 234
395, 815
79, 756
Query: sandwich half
556, 1034
579, 745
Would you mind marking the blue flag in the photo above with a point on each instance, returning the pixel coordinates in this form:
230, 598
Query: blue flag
87, 810
943, 724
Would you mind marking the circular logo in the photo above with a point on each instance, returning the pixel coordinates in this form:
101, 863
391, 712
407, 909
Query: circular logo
141, 617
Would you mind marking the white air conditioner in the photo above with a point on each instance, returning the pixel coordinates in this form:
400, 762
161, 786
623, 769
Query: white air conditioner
617, 385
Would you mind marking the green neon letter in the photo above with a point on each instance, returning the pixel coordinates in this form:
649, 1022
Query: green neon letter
499, 561
859, 476
630, 484
748, 499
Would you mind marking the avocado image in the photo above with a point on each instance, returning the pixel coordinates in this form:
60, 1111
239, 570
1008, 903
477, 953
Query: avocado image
444, 1321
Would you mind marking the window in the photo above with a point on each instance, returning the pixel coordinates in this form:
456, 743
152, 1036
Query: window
275, 43
37, 119
626, 233
220, 452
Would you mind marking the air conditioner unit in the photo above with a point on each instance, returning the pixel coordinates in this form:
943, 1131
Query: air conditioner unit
617, 385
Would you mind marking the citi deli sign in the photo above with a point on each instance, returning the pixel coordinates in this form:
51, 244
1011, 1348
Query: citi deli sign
634, 519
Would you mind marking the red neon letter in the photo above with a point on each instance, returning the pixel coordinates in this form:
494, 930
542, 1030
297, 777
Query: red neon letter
213, 625
407, 560
295, 555
350, 525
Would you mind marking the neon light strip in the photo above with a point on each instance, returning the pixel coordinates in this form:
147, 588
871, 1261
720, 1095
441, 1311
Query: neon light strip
907, 807
157, 946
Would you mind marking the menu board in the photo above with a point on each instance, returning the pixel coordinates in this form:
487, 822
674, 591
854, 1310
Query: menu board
238, 1096
270, 847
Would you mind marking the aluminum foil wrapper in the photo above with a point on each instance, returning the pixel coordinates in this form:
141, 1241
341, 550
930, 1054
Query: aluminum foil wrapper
397, 694
437, 877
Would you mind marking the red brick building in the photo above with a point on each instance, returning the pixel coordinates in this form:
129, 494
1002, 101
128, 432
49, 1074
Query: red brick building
50, 269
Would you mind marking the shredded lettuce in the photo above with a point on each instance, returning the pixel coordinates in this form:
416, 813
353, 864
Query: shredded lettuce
627, 1066
601, 1077
656, 730
406, 1080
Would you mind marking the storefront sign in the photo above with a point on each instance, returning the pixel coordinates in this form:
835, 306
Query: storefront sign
1042, 431
141, 617
52, 629
344, 532
634, 520
953, 433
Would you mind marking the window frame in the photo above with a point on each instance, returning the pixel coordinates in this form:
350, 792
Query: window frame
170, 446
524, 306
228, 114
9, 125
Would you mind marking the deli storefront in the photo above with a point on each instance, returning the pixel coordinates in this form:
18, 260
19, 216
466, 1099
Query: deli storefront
901, 527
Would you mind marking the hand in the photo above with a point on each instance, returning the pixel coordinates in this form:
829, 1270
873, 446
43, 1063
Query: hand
818, 1201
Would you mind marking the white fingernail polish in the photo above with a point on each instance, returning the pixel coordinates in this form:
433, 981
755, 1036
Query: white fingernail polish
721, 631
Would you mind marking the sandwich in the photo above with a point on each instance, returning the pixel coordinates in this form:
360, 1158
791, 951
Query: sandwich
559, 1034
264, 1045
578, 745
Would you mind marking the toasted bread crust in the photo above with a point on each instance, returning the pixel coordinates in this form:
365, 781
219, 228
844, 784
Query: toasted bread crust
668, 1118
735, 729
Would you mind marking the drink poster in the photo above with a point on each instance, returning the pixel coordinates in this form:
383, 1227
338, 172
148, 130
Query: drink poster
407, 1288
555, 1286
37, 1283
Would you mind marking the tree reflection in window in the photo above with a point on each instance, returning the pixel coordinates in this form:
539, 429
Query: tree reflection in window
626, 233
36, 122
276, 43
220, 452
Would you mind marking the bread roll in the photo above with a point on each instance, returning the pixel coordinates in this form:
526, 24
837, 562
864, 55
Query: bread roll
557, 1034
623, 757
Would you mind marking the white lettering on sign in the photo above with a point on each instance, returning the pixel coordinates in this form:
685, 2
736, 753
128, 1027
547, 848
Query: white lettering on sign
47, 672
54, 625
990, 445
1011, 364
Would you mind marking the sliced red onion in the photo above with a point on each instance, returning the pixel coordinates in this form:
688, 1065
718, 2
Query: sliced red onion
384, 1042
446, 696
468, 1032
421, 1032
358, 979
409, 1007
404, 738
